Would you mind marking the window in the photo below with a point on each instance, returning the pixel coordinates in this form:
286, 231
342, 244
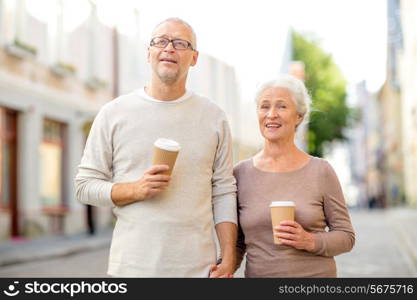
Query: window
8, 156
51, 164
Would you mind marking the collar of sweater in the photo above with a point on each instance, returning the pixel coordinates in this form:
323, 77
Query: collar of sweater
141, 92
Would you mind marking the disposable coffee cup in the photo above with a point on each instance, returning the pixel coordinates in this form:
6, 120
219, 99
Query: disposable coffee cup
281, 211
165, 153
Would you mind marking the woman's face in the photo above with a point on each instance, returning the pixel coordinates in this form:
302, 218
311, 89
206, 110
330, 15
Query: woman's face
277, 114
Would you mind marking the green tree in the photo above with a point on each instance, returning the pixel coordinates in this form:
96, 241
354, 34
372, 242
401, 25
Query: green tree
327, 87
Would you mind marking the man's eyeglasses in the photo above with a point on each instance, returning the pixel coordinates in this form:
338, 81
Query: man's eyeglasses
161, 42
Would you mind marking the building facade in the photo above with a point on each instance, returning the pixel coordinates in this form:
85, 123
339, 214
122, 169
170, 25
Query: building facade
56, 71
398, 106
408, 86
390, 104
48, 91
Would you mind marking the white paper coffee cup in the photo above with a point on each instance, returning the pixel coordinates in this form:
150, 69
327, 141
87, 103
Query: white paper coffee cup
165, 153
281, 211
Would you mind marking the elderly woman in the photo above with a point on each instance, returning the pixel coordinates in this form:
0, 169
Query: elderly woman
281, 171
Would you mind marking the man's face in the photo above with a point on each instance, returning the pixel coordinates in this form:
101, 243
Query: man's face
168, 63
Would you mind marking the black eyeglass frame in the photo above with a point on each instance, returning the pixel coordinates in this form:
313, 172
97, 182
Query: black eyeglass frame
189, 45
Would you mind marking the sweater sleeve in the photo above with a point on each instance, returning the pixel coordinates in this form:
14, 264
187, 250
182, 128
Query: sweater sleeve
240, 242
93, 181
341, 236
240, 247
223, 181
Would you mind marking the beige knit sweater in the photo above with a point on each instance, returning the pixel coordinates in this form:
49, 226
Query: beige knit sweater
319, 201
170, 234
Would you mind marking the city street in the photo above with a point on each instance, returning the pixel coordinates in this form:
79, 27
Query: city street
88, 88
86, 264
380, 251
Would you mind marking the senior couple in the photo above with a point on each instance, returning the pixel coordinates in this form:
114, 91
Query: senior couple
164, 224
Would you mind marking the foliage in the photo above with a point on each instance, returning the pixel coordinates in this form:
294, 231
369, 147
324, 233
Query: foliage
327, 87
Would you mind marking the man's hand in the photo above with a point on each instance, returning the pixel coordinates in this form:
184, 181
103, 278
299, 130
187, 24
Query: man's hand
222, 270
149, 185
227, 234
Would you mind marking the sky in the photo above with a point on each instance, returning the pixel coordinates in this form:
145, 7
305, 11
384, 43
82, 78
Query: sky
251, 35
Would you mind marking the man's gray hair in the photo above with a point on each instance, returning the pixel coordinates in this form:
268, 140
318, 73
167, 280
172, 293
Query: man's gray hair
296, 87
179, 20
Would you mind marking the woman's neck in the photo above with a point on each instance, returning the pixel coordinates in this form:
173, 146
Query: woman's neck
280, 156
278, 150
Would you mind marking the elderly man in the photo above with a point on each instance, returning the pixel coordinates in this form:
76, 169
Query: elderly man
164, 223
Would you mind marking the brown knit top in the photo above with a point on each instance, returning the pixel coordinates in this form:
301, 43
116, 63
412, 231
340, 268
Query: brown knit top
320, 209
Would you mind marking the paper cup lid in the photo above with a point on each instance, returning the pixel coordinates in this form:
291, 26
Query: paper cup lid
167, 144
282, 203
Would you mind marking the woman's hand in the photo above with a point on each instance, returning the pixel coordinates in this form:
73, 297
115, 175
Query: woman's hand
293, 234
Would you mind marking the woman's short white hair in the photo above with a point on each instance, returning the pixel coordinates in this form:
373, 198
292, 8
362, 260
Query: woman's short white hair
296, 87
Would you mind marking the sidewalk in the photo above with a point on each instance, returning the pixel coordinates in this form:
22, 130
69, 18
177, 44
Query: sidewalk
403, 221
15, 252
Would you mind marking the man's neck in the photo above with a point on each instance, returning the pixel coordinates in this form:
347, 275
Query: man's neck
165, 92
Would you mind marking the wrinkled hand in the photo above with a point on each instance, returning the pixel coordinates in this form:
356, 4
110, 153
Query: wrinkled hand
293, 234
221, 270
151, 183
